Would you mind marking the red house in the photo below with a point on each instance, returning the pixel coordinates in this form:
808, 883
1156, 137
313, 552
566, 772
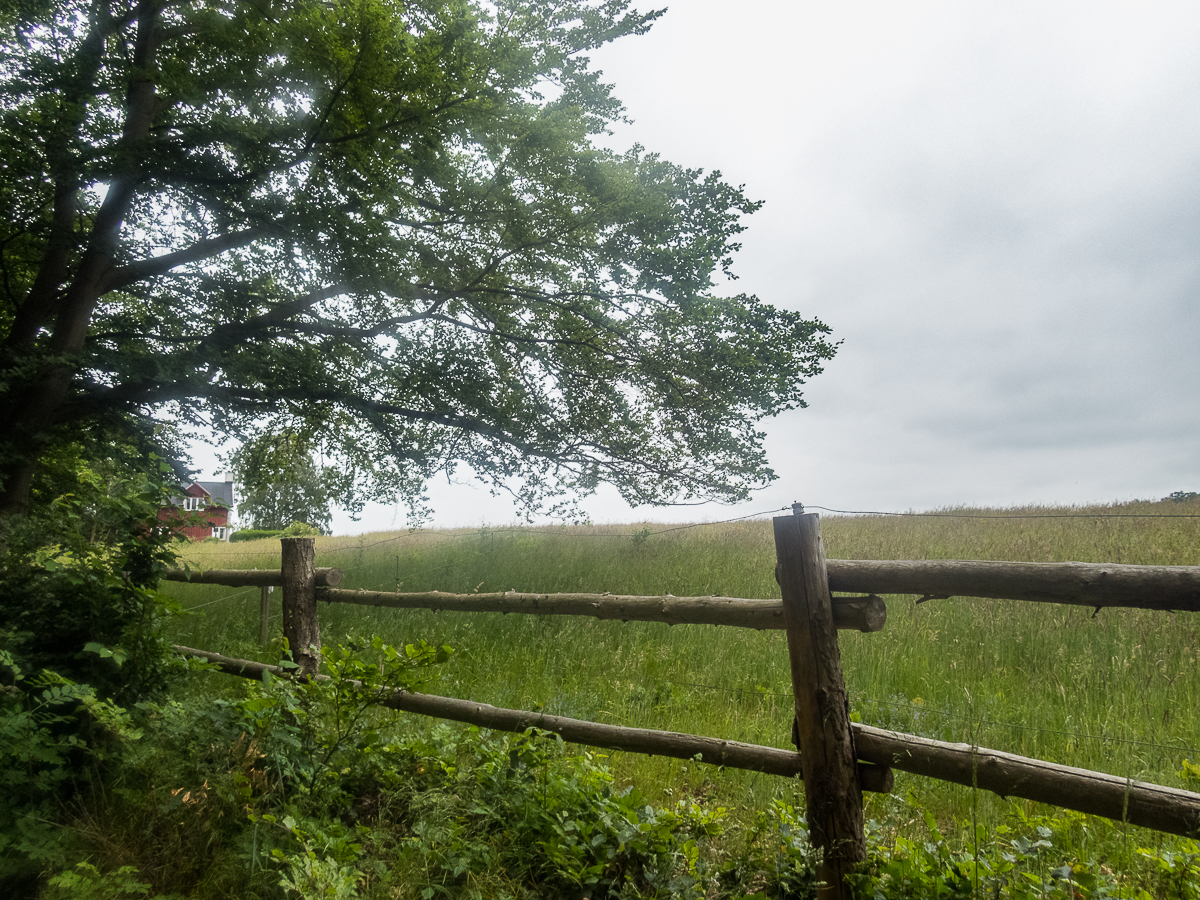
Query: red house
207, 504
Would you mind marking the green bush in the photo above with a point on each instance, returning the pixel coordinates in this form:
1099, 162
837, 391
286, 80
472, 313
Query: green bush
301, 529
54, 734
78, 584
80, 641
296, 529
254, 534
307, 788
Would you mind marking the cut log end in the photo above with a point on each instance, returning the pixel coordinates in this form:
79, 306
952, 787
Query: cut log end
876, 779
866, 614
329, 578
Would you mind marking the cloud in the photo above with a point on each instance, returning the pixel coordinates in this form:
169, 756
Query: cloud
997, 207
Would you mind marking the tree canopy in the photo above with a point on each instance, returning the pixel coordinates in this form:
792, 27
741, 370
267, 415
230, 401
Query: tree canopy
281, 484
386, 227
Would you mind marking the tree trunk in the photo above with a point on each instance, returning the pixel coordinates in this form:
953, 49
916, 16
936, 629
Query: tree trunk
36, 403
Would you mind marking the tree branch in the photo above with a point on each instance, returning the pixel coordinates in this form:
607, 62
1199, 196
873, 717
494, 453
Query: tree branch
159, 265
70, 330
41, 302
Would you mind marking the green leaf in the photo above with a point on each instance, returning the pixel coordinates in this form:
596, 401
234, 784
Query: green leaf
99, 649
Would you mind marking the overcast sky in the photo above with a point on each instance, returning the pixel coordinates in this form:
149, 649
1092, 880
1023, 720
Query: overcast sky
996, 207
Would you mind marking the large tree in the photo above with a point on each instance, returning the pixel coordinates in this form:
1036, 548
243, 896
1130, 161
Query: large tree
383, 225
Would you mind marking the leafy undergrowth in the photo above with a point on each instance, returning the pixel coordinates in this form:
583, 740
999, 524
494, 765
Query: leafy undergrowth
308, 789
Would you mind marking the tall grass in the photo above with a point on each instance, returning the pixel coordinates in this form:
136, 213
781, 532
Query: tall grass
1118, 691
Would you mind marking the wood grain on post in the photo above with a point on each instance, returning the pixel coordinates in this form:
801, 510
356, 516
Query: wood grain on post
831, 786
300, 625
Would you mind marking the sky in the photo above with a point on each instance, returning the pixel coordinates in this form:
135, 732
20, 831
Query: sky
995, 207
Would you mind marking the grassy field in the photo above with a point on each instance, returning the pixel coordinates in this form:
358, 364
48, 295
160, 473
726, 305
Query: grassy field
1118, 692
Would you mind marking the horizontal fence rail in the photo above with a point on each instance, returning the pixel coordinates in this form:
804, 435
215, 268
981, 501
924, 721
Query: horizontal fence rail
1154, 806
1139, 803
327, 577
852, 613
837, 763
1170, 588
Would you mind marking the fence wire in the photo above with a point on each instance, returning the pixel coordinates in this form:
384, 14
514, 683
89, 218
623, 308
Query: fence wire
862, 703
859, 700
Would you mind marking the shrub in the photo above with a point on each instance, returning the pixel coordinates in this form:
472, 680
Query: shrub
78, 585
254, 534
301, 529
80, 640
296, 529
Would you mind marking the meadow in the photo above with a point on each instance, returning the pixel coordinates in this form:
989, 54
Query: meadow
1118, 692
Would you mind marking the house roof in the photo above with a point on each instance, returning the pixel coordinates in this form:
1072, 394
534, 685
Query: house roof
221, 492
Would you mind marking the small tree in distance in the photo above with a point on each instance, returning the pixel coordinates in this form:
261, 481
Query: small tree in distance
281, 483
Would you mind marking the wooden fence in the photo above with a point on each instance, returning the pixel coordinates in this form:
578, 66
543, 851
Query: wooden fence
838, 759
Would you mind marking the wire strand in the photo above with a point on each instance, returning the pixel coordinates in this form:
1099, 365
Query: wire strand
868, 512
219, 599
931, 710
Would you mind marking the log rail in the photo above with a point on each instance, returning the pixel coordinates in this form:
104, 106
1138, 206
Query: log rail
1139, 803
1171, 588
856, 613
326, 577
811, 615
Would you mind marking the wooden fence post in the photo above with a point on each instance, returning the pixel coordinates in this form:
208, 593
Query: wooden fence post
300, 625
822, 728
